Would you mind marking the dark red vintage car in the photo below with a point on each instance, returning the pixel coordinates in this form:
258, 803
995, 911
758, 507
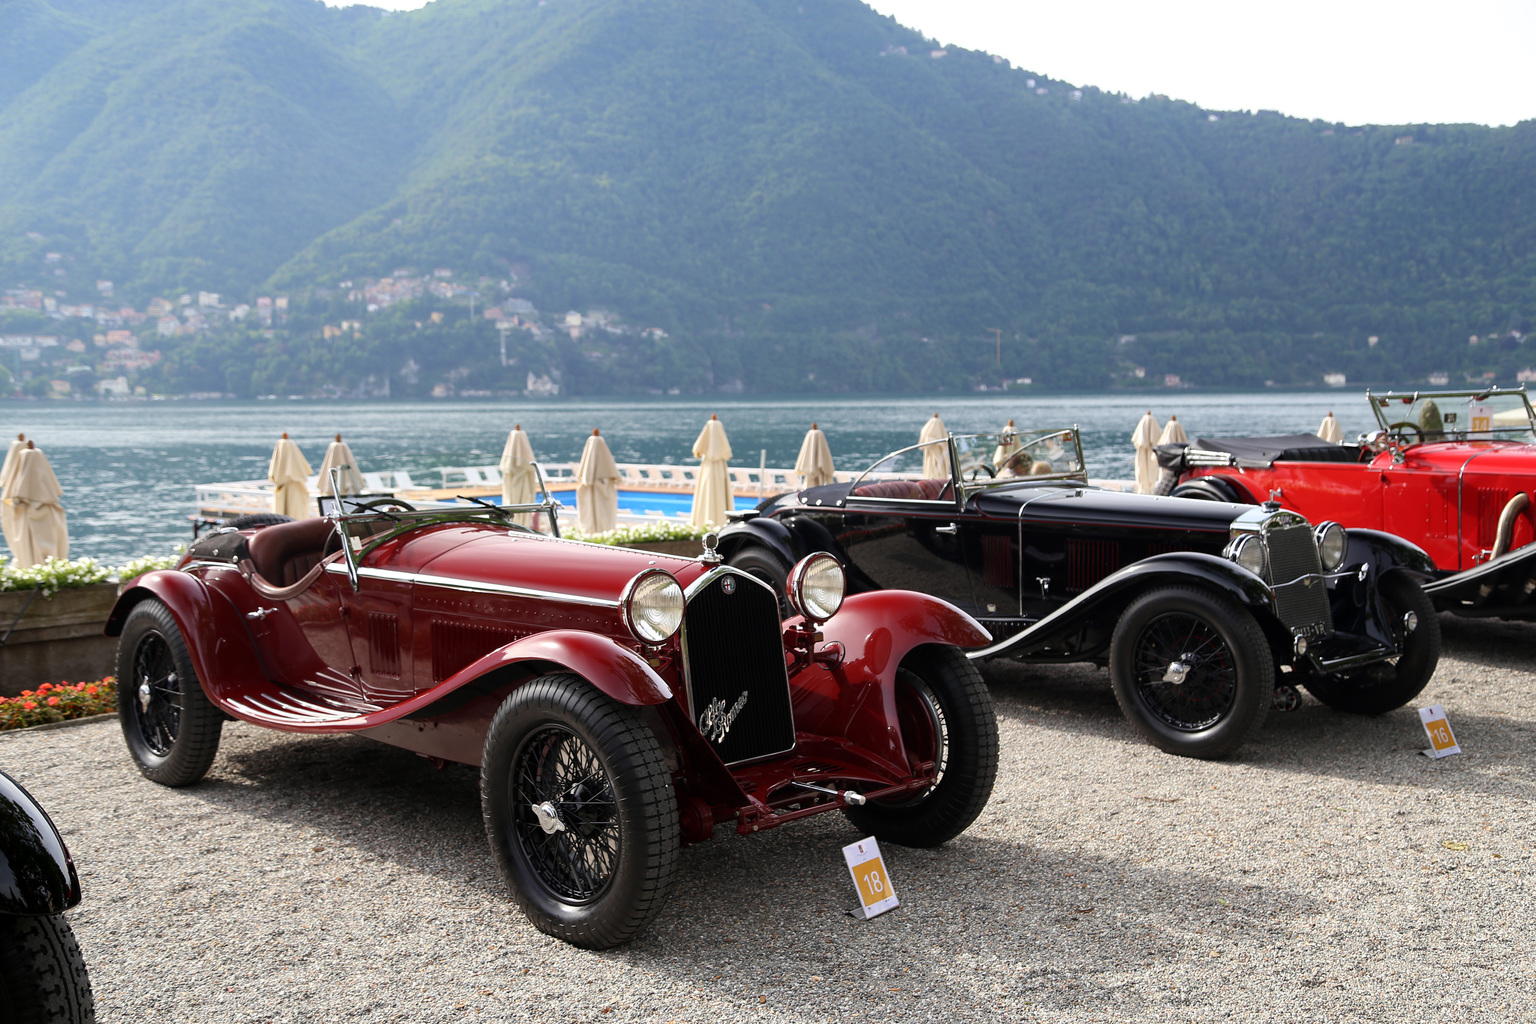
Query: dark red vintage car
618, 703
1451, 471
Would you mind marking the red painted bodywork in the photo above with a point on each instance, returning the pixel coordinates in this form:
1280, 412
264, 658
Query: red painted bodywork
432, 680
1445, 496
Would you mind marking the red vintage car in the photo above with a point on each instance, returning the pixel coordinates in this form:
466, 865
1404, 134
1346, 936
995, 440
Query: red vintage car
1451, 471
619, 704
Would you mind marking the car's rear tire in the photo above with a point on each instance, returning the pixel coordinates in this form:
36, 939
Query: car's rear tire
768, 567
42, 974
1225, 673
258, 519
946, 716
171, 727
1380, 688
580, 811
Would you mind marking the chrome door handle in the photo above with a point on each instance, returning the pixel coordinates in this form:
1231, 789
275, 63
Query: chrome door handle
260, 613
950, 529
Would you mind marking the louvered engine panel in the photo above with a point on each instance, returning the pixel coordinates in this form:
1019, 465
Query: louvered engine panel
733, 651
456, 645
384, 644
1089, 561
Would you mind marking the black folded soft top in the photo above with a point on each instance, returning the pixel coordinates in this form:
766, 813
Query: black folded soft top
1265, 450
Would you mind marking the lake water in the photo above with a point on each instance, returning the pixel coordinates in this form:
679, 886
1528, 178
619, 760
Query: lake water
128, 469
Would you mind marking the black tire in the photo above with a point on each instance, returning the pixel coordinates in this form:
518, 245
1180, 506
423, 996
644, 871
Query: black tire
768, 567
258, 519
42, 974
1377, 689
606, 868
170, 726
1228, 671
946, 716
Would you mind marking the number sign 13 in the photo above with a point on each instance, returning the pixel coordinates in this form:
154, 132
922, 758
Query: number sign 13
1441, 740
870, 877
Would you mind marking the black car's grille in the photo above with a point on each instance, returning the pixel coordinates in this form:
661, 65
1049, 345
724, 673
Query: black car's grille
733, 652
1292, 555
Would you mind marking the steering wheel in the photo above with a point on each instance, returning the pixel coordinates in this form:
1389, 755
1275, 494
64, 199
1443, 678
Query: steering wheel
1418, 434
380, 504
982, 466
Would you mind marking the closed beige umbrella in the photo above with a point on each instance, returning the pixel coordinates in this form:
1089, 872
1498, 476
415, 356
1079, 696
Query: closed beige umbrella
1008, 445
289, 473
1329, 431
519, 481
814, 463
1173, 432
712, 495
597, 487
34, 492
338, 456
7, 472
935, 455
1145, 438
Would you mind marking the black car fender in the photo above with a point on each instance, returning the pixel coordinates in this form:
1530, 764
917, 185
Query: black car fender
37, 876
1082, 627
1502, 587
769, 533
1385, 551
1213, 488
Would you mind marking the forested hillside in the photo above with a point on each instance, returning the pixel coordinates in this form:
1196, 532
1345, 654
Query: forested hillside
800, 193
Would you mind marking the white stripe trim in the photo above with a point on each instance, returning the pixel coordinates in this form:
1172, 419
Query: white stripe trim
422, 579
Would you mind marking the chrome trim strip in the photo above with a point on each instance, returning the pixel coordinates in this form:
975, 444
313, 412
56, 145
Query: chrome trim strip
424, 579
1461, 475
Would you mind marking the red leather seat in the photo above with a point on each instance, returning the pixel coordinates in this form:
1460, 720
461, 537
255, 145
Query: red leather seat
912, 490
282, 554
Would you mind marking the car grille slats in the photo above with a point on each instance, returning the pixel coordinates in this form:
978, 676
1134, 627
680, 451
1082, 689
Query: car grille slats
733, 660
1293, 555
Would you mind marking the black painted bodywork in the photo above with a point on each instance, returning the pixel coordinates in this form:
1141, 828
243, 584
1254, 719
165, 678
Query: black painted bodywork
1048, 567
37, 876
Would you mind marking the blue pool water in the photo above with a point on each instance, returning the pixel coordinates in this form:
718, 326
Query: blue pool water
641, 502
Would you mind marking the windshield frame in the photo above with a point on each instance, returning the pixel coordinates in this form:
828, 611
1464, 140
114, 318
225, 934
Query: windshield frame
1026, 438
1381, 401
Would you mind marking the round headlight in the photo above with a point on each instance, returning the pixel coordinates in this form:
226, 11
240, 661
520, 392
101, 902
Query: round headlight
653, 606
1330, 545
1248, 552
816, 586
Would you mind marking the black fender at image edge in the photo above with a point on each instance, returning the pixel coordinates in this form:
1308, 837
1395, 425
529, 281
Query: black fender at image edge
37, 875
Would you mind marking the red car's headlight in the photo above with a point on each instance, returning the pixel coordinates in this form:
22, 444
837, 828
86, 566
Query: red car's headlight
816, 586
653, 606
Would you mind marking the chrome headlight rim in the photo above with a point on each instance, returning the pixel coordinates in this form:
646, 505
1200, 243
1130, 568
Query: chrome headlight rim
813, 603
633, 602
1331, 534
1248, 550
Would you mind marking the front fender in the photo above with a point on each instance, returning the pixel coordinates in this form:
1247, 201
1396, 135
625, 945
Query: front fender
1501, 587
1388, 551
223, 655
37, 876
616, 670
769, 533
1082, 627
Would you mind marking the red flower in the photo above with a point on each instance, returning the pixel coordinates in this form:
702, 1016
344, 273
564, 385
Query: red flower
52, 701
29, 705
27, 693
45, 688
92, 689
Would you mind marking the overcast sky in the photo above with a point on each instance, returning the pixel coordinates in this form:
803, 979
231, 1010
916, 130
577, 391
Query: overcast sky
1356, 61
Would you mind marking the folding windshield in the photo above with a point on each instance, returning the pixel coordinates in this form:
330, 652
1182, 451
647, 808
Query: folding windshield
1003, 458
1456, 415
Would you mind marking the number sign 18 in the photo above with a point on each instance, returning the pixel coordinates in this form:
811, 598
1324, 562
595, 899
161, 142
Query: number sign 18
870, 877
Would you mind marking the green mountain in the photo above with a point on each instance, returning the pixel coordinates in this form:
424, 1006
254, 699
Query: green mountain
801, 192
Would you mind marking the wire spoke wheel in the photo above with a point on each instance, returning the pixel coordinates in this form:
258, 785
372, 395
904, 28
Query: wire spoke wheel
574, 846
1185, 671
157, 694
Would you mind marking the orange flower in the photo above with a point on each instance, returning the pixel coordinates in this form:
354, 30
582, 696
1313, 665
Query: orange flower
92, 689
27, 693
29, 705
45, 688
52, 701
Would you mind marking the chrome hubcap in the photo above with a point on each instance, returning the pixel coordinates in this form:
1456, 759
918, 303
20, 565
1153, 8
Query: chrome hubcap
549, 818
1177, 672
1410, 621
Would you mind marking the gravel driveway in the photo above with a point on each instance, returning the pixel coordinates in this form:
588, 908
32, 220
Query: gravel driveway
1327, 873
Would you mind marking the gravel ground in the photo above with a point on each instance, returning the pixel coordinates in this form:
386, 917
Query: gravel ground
1329, 872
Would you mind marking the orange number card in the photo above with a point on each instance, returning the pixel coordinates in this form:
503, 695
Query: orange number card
1441, 740
870, 877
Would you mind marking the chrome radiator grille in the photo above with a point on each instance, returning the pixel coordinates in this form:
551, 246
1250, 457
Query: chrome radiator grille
733, 661
1292, 555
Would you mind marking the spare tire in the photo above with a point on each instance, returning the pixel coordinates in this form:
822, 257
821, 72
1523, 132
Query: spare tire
258, 519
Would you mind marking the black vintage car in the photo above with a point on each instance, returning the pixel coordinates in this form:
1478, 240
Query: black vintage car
42, 974
1197, 608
